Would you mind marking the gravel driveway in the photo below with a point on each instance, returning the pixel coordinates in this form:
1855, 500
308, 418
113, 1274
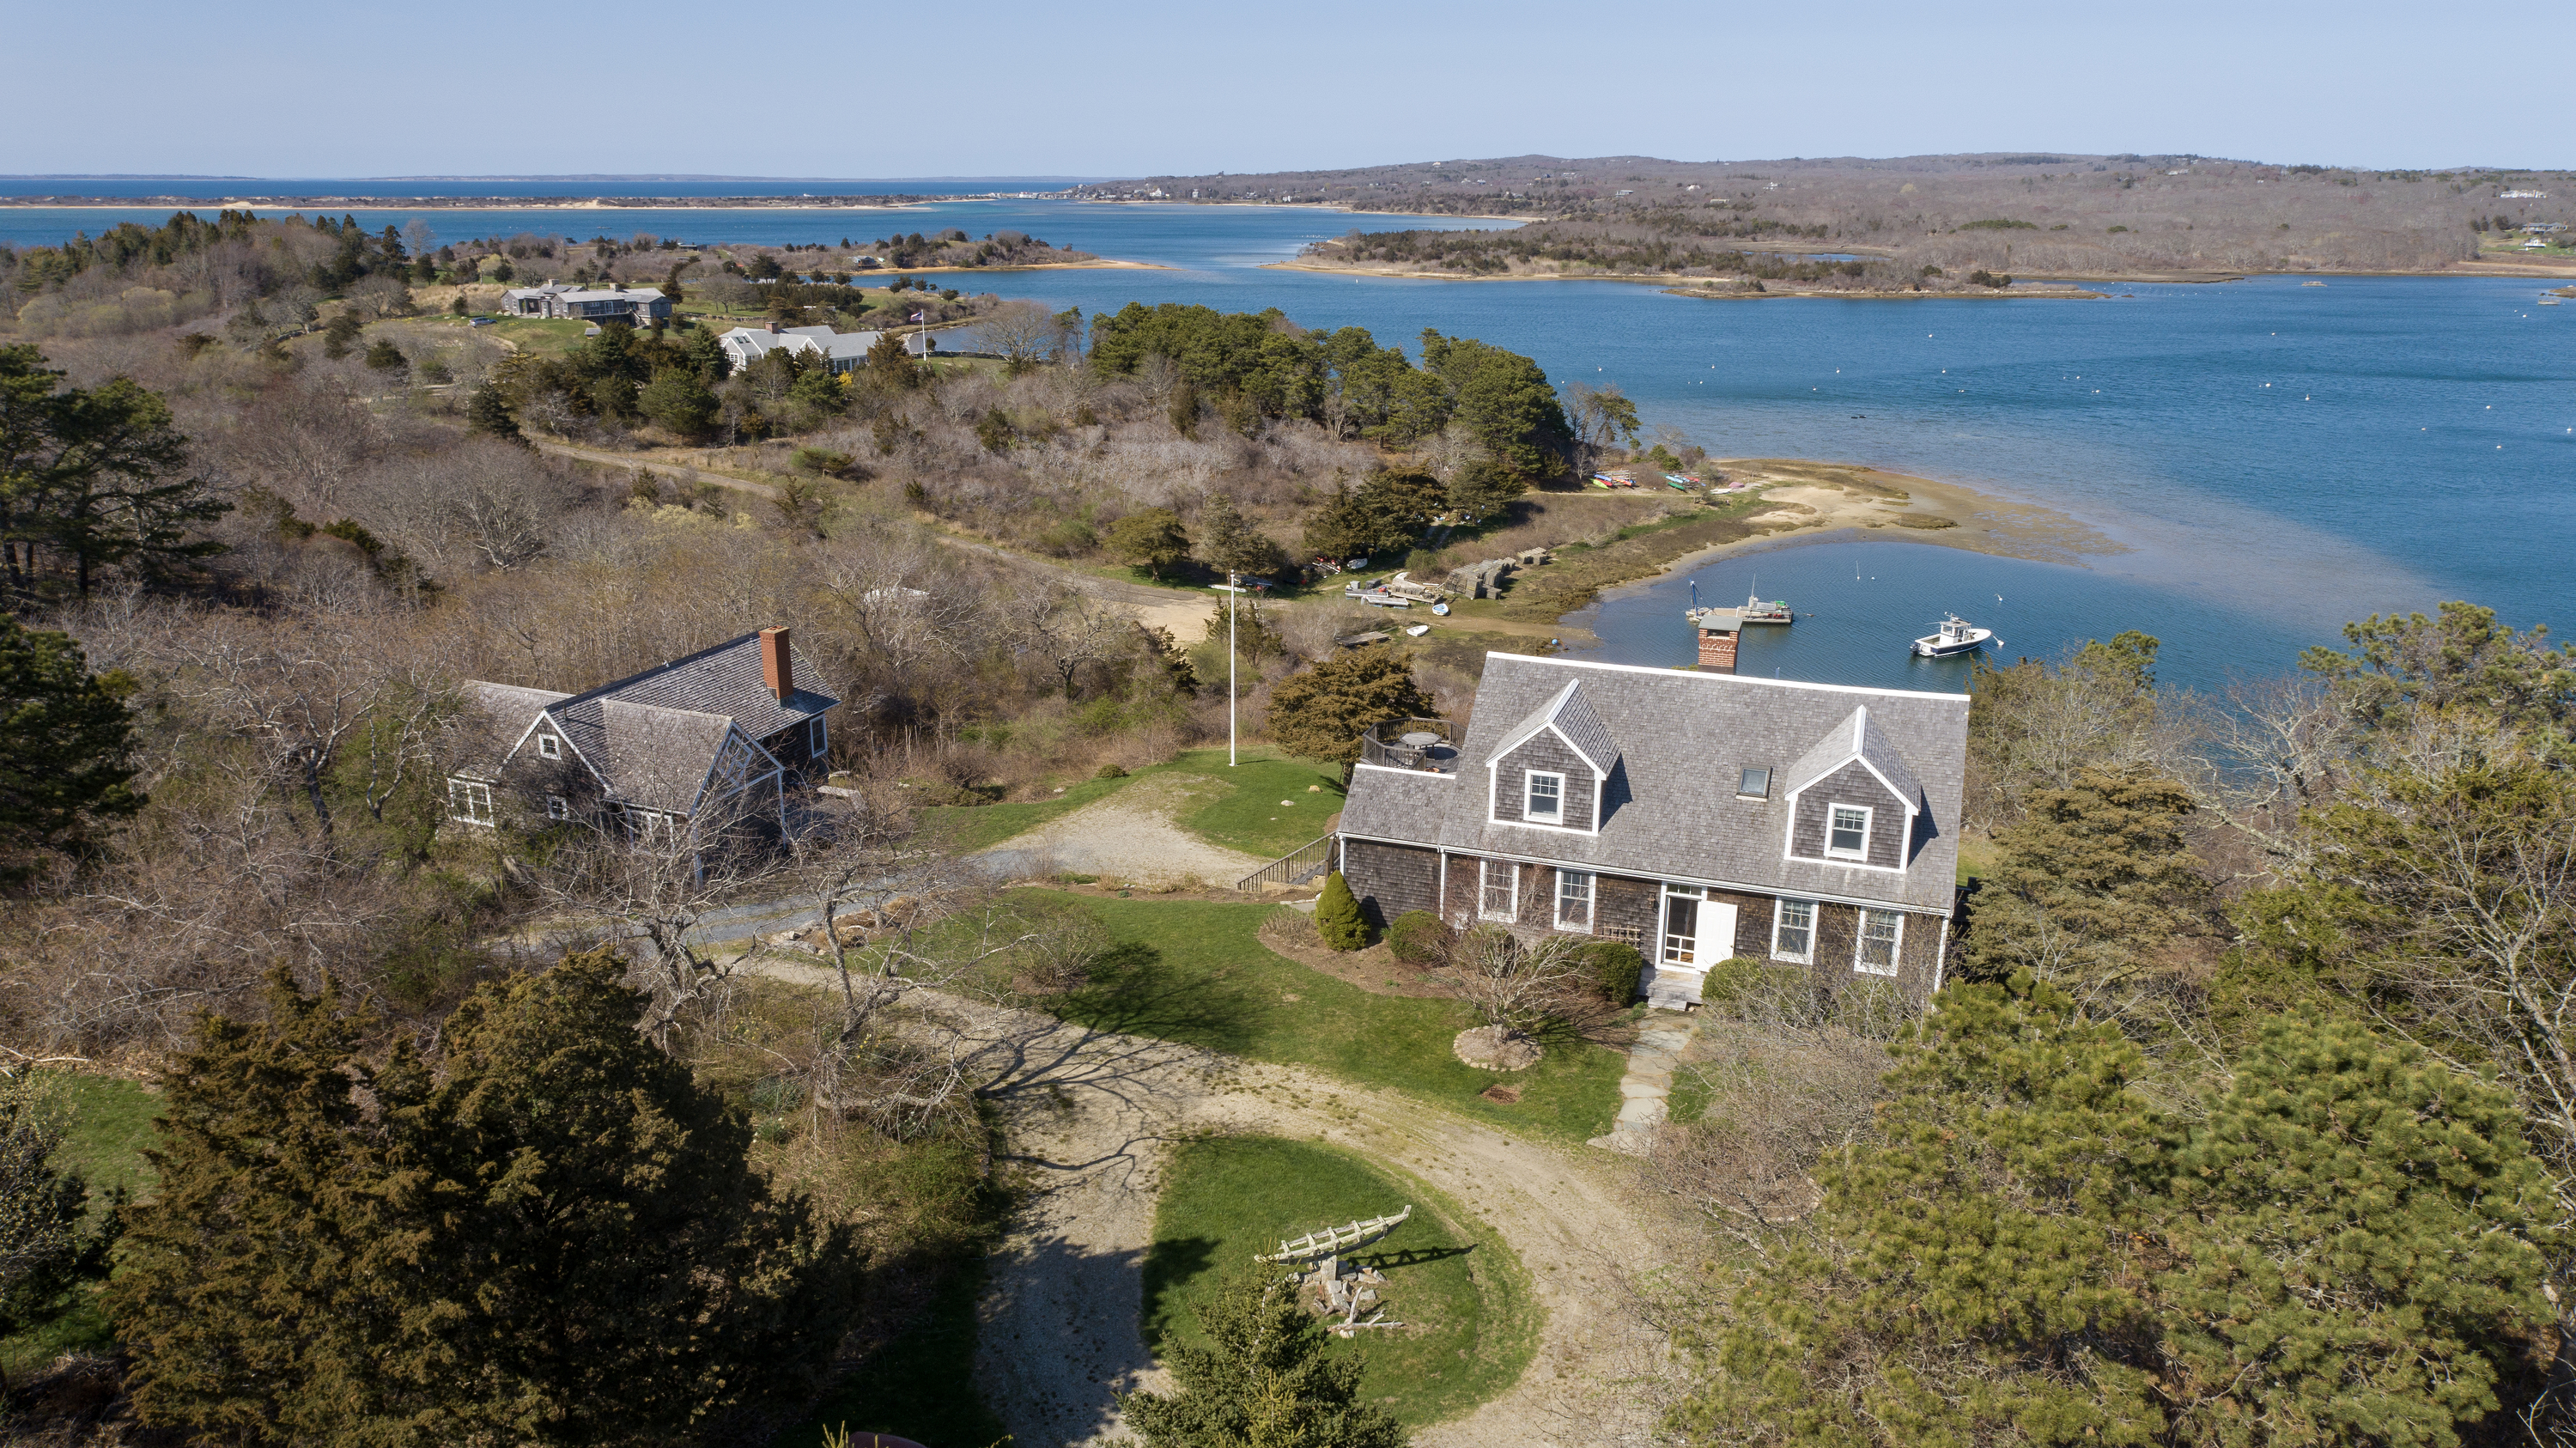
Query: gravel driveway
1128, 837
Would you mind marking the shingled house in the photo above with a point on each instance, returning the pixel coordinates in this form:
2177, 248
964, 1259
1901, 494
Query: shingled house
1697, 816
722, 733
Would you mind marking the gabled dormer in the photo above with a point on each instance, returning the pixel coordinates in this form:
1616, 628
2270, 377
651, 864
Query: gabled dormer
1552, 772
1852, 800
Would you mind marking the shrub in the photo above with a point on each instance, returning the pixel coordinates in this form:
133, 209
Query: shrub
1613, 967
1748, 989
1110, 771
1337, 916
1419, 937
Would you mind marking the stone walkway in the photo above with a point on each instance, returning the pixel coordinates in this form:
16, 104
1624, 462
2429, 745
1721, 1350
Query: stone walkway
1649, 1081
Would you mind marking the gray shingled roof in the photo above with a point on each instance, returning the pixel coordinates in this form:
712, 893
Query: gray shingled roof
653, 736
1857, 736
1574, 720
1671, 808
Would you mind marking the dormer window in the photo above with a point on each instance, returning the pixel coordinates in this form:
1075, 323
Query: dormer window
1847, 832
549, 746
1545, 801
1754, 783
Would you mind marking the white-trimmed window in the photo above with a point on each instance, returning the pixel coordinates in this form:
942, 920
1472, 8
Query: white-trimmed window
816, 742
549, 746
1881, 931
558, 807
469, 802
1498, 885
1543, 798
1574, 900
649, 826
1793, 931
1847, 831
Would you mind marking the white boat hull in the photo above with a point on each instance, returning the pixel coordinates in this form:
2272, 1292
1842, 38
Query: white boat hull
1934, 646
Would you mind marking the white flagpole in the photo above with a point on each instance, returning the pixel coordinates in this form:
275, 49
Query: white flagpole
1234, 592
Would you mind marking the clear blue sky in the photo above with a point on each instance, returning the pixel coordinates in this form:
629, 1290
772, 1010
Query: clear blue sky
292, 88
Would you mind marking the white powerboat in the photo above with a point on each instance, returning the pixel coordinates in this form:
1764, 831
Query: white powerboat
1953, 635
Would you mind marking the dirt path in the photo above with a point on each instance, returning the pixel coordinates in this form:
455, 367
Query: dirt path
1130, 837
1085, 1116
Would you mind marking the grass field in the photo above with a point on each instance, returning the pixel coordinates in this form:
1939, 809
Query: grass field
1247, 817
110, 1123
1470, 1323
1194, 971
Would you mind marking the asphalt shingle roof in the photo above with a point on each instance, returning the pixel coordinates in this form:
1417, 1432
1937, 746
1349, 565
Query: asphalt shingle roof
1670, 807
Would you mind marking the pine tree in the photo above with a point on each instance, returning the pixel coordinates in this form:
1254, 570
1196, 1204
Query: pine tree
1229, 542
488, 412
1263, 1382
1321, 713
557, 1241
2089, 887
1151, 539
1338, 918
65, 740
2346, 1250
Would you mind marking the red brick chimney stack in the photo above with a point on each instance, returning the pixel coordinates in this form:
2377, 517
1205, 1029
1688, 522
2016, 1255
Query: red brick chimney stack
777, 667
1717, 650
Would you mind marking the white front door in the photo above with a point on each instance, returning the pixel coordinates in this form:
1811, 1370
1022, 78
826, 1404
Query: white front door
1696, 932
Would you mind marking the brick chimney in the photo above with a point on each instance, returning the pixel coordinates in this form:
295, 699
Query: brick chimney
773, 329
1717, 635
777, 668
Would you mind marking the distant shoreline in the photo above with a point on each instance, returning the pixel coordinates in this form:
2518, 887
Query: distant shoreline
1678, 285
476, 203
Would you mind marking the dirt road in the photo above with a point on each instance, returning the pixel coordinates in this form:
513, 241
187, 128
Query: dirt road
1086, 1115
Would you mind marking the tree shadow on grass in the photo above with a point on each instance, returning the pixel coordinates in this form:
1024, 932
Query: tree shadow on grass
1134, 993
1170, 1265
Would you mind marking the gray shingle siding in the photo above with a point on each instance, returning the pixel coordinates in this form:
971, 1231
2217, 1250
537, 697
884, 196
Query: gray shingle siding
1547, 753
1391, 879
1852, 784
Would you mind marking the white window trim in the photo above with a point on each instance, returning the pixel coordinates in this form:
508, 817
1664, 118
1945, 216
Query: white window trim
1591, 900
1484, 878
1809, 956
558, 807
549, 746
467, 791
1868, 821
1529, 797
1895, 945
818, 741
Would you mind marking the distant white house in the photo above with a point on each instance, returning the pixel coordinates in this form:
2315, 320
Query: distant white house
840, 351
635, 306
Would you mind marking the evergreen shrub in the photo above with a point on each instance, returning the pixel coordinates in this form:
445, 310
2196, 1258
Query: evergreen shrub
1337, 916
1419, 937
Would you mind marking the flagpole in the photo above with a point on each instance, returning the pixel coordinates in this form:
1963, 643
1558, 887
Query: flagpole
1234, 592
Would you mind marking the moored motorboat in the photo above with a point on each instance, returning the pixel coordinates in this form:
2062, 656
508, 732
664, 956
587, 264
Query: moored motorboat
1953, 635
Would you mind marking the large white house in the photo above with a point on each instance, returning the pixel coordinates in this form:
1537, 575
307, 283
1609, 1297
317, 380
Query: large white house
841, 351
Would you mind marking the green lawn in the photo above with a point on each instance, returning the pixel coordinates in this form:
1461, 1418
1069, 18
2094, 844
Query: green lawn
1248, 816
1470, 1325
110, 1123
1195, 972
536, 336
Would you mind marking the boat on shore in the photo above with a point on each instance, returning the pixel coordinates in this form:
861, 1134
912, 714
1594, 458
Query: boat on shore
1951, 637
